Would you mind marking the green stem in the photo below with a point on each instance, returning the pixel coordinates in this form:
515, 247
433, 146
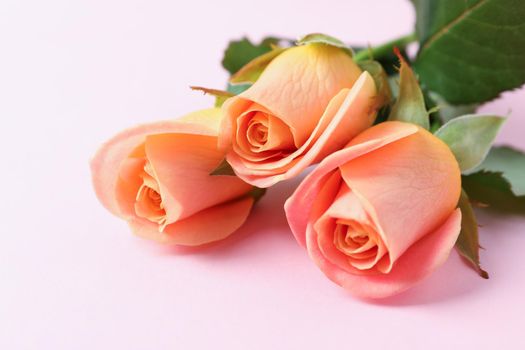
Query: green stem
384, 49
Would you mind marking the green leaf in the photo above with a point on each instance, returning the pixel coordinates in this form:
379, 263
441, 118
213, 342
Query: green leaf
468, 240
499, 181
238, 88
318, 38
470, 50
250, 72
240, 52
510, 163
223, 169
220, 95
384, 95
446, 111
493, 190
410, 103
470, 137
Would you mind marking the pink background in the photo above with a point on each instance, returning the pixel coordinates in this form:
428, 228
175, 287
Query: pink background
73, 73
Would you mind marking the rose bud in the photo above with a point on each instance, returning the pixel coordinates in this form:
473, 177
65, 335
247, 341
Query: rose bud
156, 177
380, 214
310, 101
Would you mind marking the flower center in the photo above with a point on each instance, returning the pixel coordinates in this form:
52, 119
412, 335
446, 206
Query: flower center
154, 197
148, 203
261, 135
360, 243
257, 133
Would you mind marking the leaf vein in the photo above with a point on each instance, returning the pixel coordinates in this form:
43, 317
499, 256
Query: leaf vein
451, 24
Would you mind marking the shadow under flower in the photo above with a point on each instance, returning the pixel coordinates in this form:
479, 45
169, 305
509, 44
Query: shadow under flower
456, 279
266, 232
453, 280
267, 217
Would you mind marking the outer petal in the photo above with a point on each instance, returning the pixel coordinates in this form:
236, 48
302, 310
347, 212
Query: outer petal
418, 262
182, 164
106, 163
232, 109
299, 83
206, 226
299, 206
128, 185
347, 114
409, 186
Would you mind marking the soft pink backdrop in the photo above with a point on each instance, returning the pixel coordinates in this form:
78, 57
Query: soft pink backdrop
73, 73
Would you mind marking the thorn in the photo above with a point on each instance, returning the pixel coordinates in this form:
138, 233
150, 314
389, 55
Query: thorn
398, 54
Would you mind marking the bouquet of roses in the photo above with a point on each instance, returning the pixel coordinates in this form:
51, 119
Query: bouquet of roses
399, 157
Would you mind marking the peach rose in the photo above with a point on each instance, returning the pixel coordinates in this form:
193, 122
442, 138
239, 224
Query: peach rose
380, 214
309, 102
156, 176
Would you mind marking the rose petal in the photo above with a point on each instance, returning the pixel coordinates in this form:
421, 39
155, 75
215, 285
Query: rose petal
303, 198
347, 207
298, 84
182, 165
128, 185
278, 134
206, 226
409, 187
347, 114
106, 163
419, 261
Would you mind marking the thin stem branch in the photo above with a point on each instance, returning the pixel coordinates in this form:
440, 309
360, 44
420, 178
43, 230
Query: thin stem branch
385, 49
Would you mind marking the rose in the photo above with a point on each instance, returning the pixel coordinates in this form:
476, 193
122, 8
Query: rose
380, 214
156, 176
310, 101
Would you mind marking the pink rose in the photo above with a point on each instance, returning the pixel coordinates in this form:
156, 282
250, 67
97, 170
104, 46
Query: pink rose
156, 177
380, 215
309, 102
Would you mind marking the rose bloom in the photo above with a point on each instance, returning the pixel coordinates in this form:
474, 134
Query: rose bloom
156, 176
310, 101
380, 214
